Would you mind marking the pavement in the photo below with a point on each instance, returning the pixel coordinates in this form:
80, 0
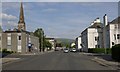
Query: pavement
15, 56
104, 59
56, 60
6, 60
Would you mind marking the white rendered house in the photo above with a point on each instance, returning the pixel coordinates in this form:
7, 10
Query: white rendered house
99, 35
113, 33
91, 37
78, 43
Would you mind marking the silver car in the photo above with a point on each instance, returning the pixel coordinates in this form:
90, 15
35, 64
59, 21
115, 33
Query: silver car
66, 50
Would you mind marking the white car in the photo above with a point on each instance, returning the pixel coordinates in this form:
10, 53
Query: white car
66, 50
73, 50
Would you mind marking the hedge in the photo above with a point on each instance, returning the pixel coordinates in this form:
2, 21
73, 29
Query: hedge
116, 52
5, 51
99, 50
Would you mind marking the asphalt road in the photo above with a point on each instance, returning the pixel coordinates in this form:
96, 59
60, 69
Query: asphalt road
55, 61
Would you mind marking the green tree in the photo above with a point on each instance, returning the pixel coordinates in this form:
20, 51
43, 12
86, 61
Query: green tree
47, 44
73, 46
40, 34
67, 46
58, 44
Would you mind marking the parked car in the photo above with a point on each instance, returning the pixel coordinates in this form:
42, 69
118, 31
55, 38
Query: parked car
66, 50
74, 50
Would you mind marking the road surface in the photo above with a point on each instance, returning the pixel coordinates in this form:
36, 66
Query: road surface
55, 61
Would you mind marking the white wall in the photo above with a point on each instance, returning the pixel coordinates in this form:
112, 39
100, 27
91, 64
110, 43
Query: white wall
88, 38
79, 43
113, 32
92, 33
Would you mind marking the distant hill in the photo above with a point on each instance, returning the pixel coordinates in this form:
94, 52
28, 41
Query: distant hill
64, 41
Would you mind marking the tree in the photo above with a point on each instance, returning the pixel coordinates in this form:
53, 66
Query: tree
116, 52
47, 44
73, 46
58, 45
40, 34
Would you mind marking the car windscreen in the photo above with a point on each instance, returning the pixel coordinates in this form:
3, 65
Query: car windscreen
65, 49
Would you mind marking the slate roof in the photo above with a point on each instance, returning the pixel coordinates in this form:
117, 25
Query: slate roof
116, 21
95, 25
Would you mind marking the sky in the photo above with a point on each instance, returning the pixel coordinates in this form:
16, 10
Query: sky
57, 19
60, 0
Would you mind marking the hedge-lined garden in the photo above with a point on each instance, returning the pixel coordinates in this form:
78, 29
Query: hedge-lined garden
116, 52
99, 50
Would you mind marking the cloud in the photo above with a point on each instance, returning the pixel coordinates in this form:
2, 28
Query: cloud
9, 25
8, 17
12, 23
8, 21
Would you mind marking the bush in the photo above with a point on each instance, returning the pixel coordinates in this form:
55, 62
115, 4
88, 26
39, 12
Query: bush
5, 51
99, 50
116, 52
109, 50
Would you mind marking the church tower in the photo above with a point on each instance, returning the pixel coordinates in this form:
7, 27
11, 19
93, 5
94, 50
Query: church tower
21, 22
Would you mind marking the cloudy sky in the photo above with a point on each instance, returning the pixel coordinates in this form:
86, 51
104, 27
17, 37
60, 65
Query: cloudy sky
58, 19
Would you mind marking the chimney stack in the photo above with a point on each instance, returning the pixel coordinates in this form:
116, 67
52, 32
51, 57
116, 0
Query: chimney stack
105, 20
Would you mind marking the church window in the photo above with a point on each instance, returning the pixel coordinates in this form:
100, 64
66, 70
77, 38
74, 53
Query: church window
9, 39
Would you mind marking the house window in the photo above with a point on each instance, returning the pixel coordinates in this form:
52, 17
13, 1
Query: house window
118, 36
95, 46
19, 38
115, 36
113, 43
96, 38
98, 46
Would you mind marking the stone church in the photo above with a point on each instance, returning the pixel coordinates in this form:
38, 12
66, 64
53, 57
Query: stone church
17, 40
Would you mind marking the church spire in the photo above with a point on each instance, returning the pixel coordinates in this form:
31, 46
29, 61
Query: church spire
21, 22
21, 17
